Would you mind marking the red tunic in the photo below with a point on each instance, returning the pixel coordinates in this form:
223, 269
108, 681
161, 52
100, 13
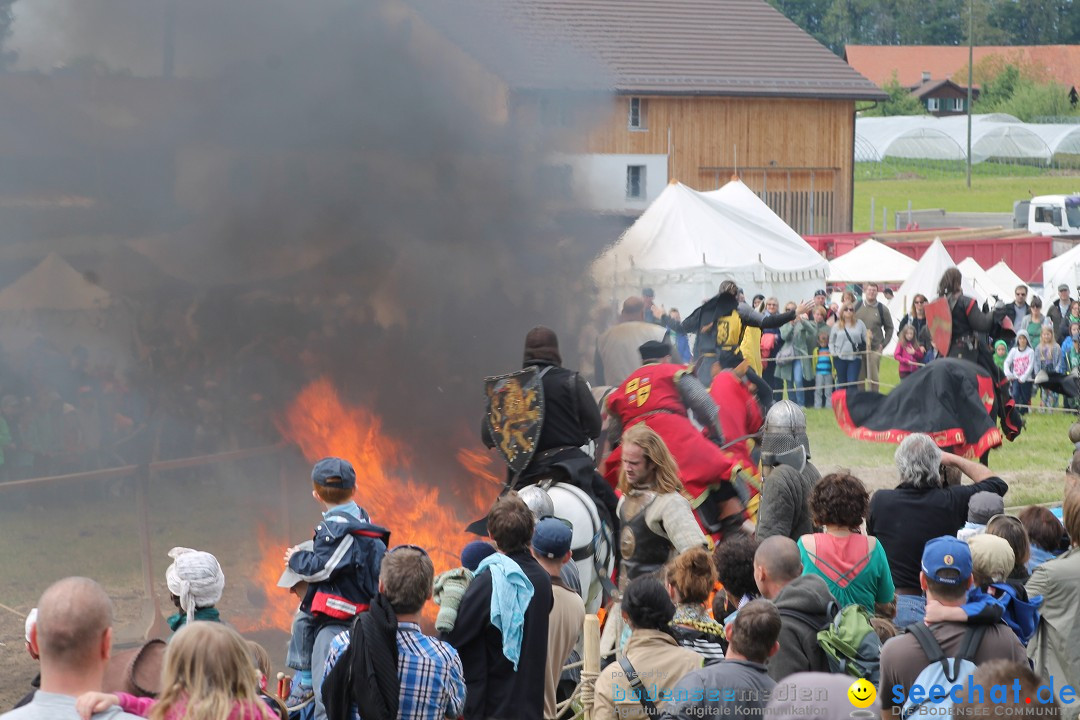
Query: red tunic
650, 395
739, 415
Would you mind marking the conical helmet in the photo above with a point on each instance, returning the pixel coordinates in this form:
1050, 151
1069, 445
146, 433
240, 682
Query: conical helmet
784, 440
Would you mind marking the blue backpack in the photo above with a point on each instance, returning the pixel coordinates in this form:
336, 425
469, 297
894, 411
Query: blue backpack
944, 672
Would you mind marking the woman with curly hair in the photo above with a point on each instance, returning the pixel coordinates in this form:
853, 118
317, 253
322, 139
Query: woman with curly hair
853, 565
690, 579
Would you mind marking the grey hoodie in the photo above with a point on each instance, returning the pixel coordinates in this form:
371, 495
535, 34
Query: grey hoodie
799, 649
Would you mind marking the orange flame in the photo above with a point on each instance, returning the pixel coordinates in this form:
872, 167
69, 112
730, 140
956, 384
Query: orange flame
322, 425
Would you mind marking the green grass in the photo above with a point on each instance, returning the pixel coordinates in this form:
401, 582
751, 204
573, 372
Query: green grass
1033, 464
987, 194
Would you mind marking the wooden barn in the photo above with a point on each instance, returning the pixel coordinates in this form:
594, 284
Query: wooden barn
695, 91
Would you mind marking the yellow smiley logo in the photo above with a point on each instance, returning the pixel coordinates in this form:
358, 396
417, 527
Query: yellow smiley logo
862, 693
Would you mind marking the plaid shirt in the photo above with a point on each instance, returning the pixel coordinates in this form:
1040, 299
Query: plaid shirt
432, 679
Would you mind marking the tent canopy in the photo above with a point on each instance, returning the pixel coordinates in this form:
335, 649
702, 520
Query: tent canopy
53, 285
871, 261
1006, 280
1064, 268
686, 242
977, 278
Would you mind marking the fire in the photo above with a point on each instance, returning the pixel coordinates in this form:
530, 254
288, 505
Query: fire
321, 425
280, 604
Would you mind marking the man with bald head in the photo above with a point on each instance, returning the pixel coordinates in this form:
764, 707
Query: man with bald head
617, 348
803, 602
73, 639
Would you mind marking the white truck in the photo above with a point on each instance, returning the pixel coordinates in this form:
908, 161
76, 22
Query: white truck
1051, 215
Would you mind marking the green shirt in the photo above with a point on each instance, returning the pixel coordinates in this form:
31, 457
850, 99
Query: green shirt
853, 577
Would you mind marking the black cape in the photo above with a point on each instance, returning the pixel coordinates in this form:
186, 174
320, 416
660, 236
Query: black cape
950, 400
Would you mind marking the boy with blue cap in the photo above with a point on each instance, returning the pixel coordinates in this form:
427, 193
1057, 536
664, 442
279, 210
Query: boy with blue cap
551, 547
341, 569
945, 578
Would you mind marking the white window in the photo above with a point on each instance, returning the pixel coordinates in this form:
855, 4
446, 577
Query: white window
637, 119
932, 104
635, 182
958, 104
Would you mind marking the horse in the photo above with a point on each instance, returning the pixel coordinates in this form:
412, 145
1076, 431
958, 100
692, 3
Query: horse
591, 545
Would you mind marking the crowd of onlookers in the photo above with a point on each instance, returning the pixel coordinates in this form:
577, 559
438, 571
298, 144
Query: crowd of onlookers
933, 562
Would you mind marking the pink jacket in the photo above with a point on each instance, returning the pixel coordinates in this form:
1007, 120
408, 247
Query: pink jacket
908, 355
141, 706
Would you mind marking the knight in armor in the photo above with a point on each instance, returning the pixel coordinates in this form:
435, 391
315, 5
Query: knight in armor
571, 419
971, 327
655, 516
720, 323
787, 474
660, 394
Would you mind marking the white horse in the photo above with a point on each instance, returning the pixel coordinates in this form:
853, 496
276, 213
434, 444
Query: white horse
591, 544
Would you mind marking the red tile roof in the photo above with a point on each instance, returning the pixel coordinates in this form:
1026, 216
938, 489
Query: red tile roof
714, 47
878, 62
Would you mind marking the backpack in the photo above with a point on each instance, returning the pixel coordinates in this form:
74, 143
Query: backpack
852, 646
1021, 616
945, 672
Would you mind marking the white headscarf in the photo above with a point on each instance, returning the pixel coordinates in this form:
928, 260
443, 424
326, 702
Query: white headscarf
196, 578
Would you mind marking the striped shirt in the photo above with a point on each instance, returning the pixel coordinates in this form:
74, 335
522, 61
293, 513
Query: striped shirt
430, 671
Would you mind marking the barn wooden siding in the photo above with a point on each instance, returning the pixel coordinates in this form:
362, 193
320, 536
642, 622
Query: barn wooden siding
795, 153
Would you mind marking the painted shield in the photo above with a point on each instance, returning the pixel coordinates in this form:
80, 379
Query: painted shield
939, 322
515, 415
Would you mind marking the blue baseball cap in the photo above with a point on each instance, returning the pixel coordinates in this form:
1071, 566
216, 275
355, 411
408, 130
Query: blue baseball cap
947, 553
333, 467
552, 537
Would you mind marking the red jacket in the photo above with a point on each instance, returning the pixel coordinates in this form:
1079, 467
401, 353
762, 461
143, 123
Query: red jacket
651, 395
739, 415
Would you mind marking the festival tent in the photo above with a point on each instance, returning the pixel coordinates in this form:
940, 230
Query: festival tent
1064, 268
1007, 280
687, 242
57, 302
871, 261
976, 277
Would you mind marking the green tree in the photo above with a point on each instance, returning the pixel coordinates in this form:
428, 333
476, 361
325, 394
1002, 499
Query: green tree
900, 102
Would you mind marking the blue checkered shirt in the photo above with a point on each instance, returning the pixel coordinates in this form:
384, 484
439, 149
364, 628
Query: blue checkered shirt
432, 679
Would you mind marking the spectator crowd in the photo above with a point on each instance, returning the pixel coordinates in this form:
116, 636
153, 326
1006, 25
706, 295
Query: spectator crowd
932, 568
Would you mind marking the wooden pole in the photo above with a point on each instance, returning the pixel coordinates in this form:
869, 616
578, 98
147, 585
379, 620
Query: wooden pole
591, 668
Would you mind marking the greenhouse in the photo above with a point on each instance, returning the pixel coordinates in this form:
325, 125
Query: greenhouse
997, 138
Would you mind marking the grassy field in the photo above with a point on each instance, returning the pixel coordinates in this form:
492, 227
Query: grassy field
1032, 465
988, 193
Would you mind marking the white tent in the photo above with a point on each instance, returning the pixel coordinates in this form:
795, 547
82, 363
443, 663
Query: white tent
686, 242
1006, 280
55, 301
922, 280
871, 261
975, 278
53, 285
1064, 268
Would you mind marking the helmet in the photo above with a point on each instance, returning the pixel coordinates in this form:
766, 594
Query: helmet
784, 440
538, 501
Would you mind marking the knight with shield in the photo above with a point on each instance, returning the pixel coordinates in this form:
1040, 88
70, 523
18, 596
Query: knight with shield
540, 417
959, 329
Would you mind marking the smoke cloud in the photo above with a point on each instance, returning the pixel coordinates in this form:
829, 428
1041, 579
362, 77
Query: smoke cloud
336, 186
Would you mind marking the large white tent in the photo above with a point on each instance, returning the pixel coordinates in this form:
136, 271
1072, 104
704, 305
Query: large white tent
1007, 280
55, 301
1064, 268
977, 278
871, 261
924, 137
687, 242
